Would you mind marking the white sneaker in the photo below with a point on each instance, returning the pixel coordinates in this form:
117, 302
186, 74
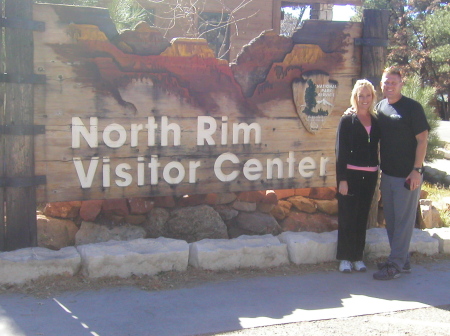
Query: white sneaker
345, 266
359, 266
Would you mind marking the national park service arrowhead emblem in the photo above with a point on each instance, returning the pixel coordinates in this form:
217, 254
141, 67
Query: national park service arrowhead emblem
314, 96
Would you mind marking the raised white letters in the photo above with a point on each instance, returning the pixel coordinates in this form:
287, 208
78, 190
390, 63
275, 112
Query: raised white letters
150, 169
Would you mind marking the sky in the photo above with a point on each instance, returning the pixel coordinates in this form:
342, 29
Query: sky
342, 13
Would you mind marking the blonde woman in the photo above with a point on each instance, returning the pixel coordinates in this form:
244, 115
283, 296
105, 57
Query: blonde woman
357, 141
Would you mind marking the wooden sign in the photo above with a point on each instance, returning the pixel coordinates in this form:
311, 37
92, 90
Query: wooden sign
135, 115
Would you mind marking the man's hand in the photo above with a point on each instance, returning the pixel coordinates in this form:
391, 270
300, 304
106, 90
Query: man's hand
416, 179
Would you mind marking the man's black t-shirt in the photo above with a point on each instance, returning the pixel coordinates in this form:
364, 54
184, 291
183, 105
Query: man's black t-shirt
400, 123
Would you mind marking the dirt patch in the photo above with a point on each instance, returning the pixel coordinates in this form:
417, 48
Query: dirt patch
55, 285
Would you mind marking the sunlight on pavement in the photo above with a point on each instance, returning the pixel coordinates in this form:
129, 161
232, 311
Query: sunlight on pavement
354, 305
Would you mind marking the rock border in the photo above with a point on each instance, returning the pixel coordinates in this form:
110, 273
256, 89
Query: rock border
151, 256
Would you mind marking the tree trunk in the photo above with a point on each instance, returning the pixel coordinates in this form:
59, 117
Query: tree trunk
2, 114
21, 228
374, 55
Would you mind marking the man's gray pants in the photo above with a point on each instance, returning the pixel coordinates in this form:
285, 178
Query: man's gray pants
400, 208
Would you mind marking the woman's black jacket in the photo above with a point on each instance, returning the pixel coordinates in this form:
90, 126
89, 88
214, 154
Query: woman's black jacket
354, 146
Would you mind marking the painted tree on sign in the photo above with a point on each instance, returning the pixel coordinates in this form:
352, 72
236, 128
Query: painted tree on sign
310, 98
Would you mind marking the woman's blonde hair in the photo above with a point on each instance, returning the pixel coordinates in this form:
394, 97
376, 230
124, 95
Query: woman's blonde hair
361, 83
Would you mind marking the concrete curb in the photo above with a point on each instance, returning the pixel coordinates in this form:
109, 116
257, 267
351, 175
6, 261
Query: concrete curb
151, 256
244, 251
28, 264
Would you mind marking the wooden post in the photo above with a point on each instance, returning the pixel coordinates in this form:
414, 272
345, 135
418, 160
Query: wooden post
2, 106
374, 53
20, 196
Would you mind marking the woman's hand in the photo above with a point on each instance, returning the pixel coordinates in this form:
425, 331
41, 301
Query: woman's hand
343, 188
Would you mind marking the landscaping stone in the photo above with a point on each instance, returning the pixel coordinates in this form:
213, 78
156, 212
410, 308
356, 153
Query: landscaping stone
253, 223
326, 193
310, 247
377, 243
329, 207
196, 223
303, 204
138, 257
140, 205
54, 233
443, 237
32, 263
90, 210
244, 206
155, 225
244, 251
301, 221
118, 207
91, 233
62, 209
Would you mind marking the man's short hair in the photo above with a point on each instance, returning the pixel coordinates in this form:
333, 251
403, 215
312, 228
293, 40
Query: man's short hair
392, 70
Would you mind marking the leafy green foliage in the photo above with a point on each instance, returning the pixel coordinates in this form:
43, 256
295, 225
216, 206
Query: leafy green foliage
419, 42
425, 95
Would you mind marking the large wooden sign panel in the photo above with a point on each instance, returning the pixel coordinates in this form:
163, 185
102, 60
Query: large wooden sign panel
135, 115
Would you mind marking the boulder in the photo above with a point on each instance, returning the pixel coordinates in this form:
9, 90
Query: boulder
268, 202
226, 212
191, 200
90, 233
279, 212
135, 219
118, 207
219, 199
326, 193
155, 224
429, 216
54, 233
196, 223
140, 205
253, 223
90, 210
63, 209
164, 202
302, 192
251, 196
244, 206
300, 221
303, 204
329, 207
284, 193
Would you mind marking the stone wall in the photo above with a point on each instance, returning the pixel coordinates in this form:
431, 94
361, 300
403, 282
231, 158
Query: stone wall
190, 218
196, 217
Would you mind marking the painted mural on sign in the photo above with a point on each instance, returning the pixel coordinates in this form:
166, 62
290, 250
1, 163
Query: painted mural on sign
133, 114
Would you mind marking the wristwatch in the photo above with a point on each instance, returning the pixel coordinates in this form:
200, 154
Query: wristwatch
418, 169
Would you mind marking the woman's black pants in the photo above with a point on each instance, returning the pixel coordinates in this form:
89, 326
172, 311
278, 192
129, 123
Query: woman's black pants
353, 213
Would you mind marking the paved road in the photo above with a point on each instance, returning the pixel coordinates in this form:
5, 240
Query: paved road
444, 131
224, 306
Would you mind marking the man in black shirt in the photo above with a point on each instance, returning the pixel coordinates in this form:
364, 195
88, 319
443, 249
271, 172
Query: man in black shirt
404, 136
